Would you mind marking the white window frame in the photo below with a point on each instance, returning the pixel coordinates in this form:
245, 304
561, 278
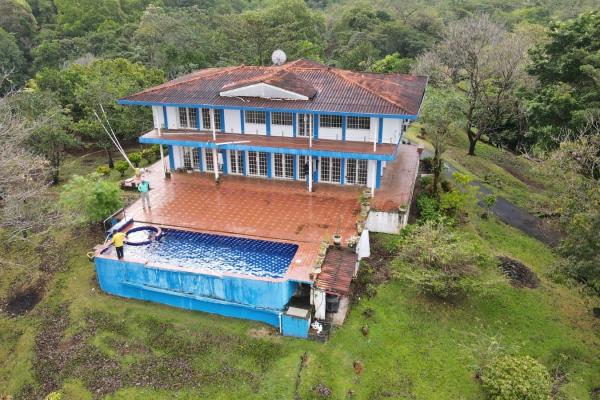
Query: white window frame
189, 114
330, 121
205, 113
283, 166
255, 117
330, 167
358, 123
282, 118
309, 125
257, 160
236, 162
208, 160
359, 176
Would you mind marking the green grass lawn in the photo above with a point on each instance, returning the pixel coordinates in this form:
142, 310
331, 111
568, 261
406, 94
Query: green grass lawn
416, 348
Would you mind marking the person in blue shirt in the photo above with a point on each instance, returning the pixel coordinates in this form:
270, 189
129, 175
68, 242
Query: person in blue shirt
144, 188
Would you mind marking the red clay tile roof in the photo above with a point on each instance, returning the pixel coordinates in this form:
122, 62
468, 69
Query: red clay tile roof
337, 271
336, 90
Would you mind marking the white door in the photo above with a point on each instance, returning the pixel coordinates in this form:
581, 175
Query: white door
283, 166
330, 169
305, 122
356, 172
236, 162
257, 163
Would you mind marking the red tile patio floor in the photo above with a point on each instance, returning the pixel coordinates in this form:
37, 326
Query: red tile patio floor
257, 208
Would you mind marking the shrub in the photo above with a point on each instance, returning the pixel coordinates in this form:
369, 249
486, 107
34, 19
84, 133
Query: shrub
427, 164
135, 158
428, 208
148, 155
516, 378
122, 167
103, 170
455, 202
439, 261
426, 183
90, 199
446, 186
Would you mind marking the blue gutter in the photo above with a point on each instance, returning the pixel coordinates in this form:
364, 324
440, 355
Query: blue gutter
282, 150
343, 171
316, 125
378, 177
241, 108
222, 119
269, 161
380, 131
198, 111
344, 123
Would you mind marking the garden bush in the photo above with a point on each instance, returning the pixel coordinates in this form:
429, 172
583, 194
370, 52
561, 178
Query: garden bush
122, 167
439, 261
428, 207
103, 170
148, 155
455, 202
90, 199
135, 158
516, 378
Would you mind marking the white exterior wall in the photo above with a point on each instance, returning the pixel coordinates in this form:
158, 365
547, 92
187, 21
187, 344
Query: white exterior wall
282, 130
232, 121
372, 166
173, 117
254, 129
178, 156
157, 117
384, 222
392, 130
330, 133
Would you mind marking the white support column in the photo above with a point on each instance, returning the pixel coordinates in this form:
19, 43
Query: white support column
374, 179
216, 149
162, 154
310, 173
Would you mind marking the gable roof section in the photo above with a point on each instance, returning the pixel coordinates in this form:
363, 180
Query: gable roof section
327, 89
283, 84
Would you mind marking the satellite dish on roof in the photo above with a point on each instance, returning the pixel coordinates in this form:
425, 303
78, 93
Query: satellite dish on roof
278, 57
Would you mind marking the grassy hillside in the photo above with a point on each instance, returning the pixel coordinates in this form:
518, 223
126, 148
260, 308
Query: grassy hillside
89, 345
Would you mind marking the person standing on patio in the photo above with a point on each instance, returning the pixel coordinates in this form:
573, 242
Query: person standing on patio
144, 188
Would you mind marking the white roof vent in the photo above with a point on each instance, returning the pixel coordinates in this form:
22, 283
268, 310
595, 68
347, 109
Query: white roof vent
278, 57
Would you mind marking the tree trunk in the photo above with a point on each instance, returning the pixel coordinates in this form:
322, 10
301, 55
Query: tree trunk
437, 171
55, 169
111, 163
472, 144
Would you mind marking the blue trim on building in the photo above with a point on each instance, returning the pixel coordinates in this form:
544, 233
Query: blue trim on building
198, 112
269, 165
224, 155
380, 130
342, 171
378, 175
165, 117
244, 163
201, 160
268, 122
297, 152
316, 126
344, 124
171, 158
242, 127
295, 168
294, 128
154, 103
222, 119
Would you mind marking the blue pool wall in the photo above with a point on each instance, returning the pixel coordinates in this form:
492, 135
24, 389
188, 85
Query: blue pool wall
294, 326
245, 298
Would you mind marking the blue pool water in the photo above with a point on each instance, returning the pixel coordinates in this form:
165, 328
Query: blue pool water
218, 253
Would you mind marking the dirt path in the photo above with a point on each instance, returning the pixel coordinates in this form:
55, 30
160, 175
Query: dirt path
510, 213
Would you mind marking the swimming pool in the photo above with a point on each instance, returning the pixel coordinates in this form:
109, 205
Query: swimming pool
218, 253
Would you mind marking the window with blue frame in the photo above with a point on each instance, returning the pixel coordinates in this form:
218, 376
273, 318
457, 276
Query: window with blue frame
206, 119
281, 118
187, 117
330, 121
255, 117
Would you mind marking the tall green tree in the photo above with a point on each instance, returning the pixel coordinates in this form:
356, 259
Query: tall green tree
12, 63
84, 88
568, 69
